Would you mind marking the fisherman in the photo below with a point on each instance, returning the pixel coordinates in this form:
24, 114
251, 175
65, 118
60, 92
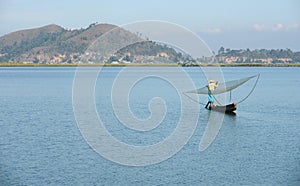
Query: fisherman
211, 87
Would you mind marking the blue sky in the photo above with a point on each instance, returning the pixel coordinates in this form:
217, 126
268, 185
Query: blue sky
231, 23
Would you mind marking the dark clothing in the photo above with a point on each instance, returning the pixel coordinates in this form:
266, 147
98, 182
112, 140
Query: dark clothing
208, 104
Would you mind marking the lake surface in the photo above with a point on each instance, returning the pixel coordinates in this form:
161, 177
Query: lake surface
40, 142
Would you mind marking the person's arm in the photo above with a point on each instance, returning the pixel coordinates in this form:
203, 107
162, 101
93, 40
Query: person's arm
216, 85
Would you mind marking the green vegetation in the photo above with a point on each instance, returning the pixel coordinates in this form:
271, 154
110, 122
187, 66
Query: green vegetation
150, 48
258, 56
49, 44
53, 44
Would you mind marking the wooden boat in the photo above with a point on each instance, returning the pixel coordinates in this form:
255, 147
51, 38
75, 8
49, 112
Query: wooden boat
227, 108
224, 87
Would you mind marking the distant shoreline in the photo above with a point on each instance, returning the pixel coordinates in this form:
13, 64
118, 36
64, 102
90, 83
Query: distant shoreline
146, 65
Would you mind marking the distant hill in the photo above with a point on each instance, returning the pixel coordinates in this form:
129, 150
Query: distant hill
48, 43
54, 44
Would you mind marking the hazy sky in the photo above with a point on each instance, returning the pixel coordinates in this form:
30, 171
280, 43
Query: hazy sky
231, 23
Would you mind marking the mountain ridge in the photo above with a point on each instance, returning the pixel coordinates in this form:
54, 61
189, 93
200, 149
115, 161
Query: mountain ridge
47, 42
53, 44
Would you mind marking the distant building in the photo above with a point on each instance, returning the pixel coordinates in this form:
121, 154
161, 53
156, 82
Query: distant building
115, 63
163, 54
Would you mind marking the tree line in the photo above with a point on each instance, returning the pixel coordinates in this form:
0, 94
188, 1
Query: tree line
248, 55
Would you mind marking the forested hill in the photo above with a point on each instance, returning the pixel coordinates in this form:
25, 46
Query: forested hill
48, 43
54, 44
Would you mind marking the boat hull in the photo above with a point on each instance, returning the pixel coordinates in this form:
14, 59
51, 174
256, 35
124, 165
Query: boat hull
225, 109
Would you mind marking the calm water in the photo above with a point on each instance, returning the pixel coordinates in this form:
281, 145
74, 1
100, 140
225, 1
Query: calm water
40, 143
